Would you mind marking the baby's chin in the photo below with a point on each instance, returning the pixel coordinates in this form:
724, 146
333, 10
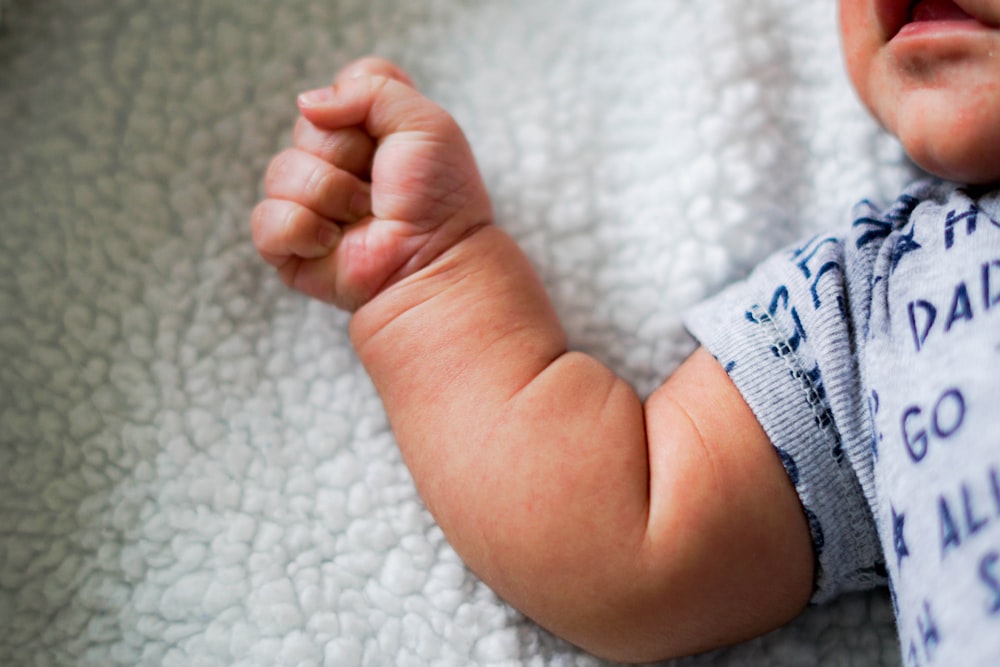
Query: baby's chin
961, 146
972, 167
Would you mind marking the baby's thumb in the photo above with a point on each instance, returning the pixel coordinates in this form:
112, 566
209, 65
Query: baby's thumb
374, 66
381, 104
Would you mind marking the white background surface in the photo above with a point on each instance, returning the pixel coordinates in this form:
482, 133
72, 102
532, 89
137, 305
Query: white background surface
194, 469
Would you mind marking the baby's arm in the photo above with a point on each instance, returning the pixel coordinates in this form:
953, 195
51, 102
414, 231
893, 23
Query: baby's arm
636, 531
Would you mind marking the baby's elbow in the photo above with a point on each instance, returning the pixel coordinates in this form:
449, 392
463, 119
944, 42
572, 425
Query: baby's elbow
637, 600
629, 621
619, 622
611, 604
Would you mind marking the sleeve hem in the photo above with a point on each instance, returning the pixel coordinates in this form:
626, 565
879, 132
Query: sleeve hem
780, 384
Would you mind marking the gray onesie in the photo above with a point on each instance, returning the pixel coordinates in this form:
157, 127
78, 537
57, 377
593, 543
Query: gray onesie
872, 360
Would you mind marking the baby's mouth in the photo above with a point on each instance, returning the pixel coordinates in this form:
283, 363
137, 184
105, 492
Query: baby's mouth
937, 10
930, 17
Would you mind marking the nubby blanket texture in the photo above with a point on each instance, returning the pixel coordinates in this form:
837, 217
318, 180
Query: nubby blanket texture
194, 468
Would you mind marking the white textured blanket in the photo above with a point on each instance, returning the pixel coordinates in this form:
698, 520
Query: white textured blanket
194, 468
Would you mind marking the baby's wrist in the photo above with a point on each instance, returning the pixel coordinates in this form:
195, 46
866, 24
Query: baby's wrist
455, 277
418, 262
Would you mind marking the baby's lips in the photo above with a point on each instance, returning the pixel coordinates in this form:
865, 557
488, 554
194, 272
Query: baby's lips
938, 10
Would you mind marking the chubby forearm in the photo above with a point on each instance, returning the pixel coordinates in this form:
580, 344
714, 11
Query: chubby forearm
530, 457
473, 368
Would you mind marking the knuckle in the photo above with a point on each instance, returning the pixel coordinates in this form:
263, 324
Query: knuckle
320, 182
278, 168
349, 149
317, 141
443, 124
329, 145
259, 223
271, 223
285, 222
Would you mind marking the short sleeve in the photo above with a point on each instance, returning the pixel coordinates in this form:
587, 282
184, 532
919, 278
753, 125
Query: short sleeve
785, 339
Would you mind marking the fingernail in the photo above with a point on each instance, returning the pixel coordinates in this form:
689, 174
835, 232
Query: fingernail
316, 97
327, 236
361, 203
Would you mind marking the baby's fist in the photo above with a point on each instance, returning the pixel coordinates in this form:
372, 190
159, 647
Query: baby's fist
380, 182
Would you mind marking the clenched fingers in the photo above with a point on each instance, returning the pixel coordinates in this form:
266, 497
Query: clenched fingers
350, 148
331, 192
282, 229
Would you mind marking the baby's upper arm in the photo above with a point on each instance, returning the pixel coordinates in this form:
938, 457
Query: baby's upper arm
727, 538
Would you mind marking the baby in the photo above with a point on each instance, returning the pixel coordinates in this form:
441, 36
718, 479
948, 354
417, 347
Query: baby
837, 428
